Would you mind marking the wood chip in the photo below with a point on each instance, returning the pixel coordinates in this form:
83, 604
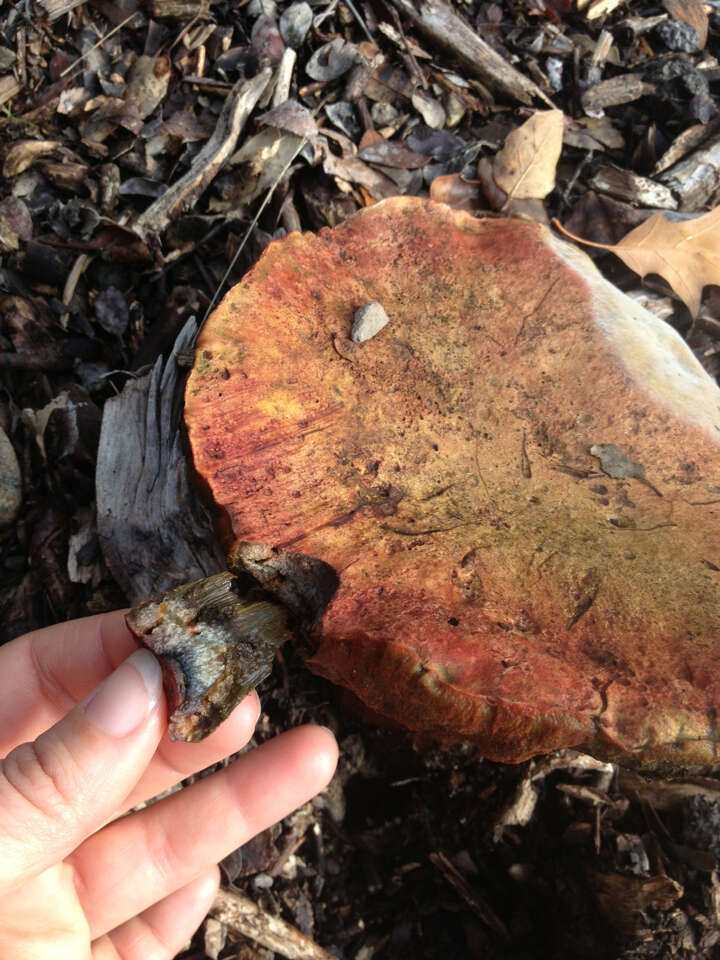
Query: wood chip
609, 93
9, 88
24, 153
391, 153
354, 170
58, 8
180, 9
690, 139
599, 8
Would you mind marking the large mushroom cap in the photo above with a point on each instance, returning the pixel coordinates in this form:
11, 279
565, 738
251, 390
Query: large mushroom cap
516, 481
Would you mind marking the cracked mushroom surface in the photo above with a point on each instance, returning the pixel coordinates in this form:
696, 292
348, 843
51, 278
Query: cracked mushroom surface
516, 482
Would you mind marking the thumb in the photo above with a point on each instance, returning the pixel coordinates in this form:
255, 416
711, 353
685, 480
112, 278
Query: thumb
60, 788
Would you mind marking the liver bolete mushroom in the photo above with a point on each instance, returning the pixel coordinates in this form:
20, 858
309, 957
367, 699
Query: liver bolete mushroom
516, 482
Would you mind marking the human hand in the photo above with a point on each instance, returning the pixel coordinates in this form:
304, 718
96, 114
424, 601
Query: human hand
78, 755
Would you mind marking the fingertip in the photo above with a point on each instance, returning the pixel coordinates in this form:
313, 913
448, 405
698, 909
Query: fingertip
206, 886
323, 753
236, 729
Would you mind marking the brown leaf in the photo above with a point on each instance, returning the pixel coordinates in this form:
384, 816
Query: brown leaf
686, 254
292, 117
456, 192
525, 167
393, 154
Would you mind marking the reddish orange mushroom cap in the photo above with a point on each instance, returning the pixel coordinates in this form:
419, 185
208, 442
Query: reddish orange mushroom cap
498, 581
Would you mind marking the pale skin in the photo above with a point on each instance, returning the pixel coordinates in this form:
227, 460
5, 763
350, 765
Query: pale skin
78, 883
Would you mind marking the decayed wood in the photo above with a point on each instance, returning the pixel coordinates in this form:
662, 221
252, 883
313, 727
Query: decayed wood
244, 916
633, 188
207, 164
180, 9
154, 532
445, 28
610, 93
695, 181
598, 8
58, 8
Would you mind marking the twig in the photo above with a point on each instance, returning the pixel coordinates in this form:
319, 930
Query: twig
100, 42
411, 56
472, 897
208, 163
351, 7
244, 916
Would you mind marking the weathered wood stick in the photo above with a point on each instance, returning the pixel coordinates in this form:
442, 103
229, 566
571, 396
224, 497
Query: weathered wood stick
207, 164
244, 916
445, 28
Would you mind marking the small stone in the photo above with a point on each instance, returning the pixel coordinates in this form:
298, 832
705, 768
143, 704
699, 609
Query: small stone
369, 320
678, 35
10, 482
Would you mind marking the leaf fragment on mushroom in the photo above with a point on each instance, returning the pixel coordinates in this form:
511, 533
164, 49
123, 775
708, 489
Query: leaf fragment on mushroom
614, 463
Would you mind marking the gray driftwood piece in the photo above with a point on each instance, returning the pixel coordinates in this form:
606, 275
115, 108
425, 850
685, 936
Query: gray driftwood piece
154, 531
444, 27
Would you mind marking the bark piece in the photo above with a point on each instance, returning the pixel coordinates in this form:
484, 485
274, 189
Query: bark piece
610, 93
493, 583
696, 179
153, 532
632, 187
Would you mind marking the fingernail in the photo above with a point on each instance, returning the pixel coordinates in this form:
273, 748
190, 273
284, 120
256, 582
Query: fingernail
123, 701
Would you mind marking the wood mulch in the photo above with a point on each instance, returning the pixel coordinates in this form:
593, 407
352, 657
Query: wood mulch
150, 151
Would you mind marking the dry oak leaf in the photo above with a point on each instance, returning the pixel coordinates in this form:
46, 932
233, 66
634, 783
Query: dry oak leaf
686, 254
525, 167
